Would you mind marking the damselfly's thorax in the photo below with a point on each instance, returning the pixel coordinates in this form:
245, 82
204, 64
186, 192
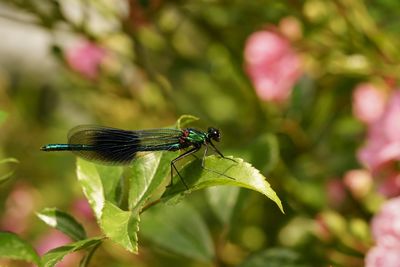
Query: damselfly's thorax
194, 136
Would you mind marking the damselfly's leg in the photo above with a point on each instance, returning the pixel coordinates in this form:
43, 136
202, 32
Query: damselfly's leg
187, 153
203, 164
219, 153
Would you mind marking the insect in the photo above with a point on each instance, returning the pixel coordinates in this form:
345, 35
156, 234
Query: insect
118, 147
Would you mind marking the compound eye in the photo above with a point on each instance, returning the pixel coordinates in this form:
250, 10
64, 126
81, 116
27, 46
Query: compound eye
217, 137
214, 134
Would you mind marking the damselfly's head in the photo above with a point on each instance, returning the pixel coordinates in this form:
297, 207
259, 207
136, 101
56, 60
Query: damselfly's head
213, 134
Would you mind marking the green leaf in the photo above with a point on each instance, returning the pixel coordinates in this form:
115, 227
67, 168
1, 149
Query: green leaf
92, 186
13, 247
5, 177
220, 171
120, 226
98, 183
275, 257
179, 229
222, 200
110, 179
146, 175
63, 222
55, 255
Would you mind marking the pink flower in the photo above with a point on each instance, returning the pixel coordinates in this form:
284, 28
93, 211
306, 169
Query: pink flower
272, 65
20, 205
86, 59
383, 140
381, 256
368, 103
51, 240
386, 231
359, 182
386, 224
391, 185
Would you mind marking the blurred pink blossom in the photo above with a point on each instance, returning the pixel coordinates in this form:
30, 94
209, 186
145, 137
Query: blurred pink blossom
272, 65
368, 102
386, 224
391, 185
386, 232
86, 59
381, 256
82, 208
19, 206
383, 140
54, 239
359, 182
51, 240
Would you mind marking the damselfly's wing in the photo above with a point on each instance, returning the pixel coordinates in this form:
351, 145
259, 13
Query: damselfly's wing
114, 146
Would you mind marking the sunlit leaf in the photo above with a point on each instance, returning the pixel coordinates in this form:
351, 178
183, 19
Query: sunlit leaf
120, 226
220, 171
13, 247
55, 255
179, 229
91, 184
98, 183
146, 175
63, 222
110, 179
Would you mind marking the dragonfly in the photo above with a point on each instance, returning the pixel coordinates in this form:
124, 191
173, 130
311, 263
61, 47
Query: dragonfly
112, 146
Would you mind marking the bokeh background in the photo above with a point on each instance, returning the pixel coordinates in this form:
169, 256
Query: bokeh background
304, 90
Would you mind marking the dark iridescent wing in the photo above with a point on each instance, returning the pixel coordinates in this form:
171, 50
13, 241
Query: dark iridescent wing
115, 146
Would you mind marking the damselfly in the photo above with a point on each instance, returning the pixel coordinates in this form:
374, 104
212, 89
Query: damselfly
114, 146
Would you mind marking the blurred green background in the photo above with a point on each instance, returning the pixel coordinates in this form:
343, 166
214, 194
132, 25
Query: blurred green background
161, 59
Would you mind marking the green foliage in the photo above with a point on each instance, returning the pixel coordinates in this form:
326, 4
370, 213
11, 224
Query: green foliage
13, 247
63, 222
55, 255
